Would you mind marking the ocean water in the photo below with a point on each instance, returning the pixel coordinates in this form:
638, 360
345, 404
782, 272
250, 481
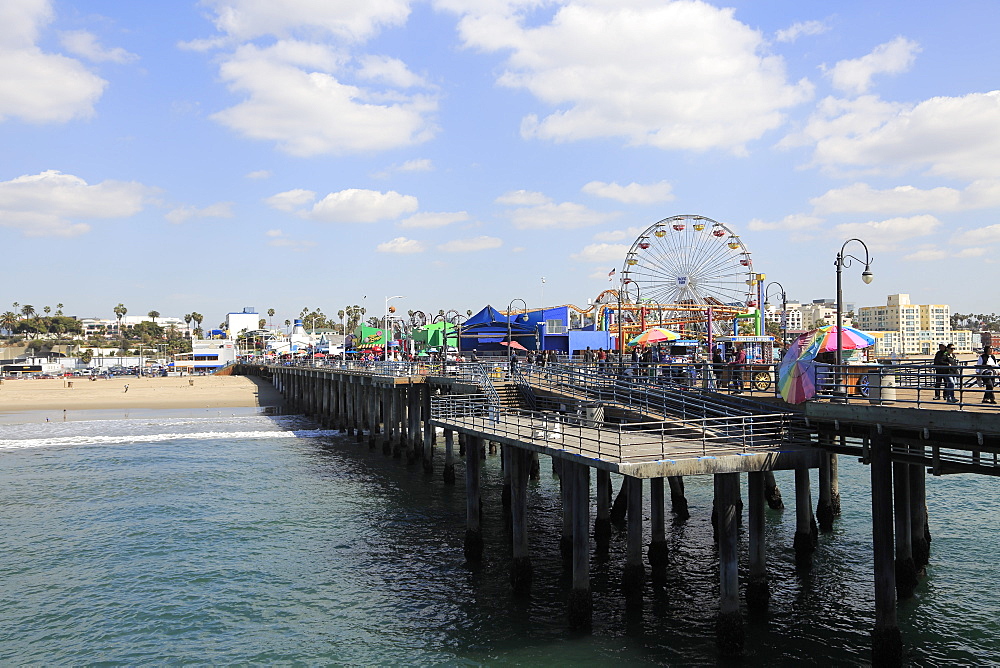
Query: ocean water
228, 537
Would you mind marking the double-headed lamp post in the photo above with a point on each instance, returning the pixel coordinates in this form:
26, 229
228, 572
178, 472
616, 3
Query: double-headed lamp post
844, 260
456, 320
510, 341
784, 309
385, 330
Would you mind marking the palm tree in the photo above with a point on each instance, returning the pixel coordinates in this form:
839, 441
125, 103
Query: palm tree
270, 314
187, 320
154, 315
9, 321
288, 323
47, 309
197, 317
120, 312
340, 314
59, 308
28, 310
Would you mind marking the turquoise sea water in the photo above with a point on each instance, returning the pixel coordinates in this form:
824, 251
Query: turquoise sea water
229, 537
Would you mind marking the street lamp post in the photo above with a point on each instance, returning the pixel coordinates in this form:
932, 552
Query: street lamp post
510, 341
457, 320
784, 310
621, 341
844, 260
385, 330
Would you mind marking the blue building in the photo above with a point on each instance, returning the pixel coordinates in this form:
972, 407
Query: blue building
538, 329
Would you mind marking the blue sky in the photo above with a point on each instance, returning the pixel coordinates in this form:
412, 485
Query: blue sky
212, 155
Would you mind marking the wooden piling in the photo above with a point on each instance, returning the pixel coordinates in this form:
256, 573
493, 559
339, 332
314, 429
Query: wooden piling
580, 601
521, 571
473, 530
568, 501
771, 492
449, 457
824, 508
602, 523
806, 534
678, 502
887, 642
906, 571
758, 592
920, 535
657, 553
729, 624
634, 577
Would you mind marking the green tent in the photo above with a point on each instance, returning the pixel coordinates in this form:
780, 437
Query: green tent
431, 335
367, 337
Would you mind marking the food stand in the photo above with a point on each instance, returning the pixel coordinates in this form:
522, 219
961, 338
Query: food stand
759, 371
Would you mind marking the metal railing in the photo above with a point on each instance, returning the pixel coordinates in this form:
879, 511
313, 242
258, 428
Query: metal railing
634, 441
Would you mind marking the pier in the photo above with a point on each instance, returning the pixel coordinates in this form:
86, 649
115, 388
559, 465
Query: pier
592, 425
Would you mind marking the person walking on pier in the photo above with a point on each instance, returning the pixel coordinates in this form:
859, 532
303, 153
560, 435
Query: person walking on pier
987, 368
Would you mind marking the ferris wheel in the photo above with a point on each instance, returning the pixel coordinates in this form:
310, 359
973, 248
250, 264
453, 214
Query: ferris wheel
692, 261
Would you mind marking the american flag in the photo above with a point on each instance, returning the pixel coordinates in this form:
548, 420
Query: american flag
611, 274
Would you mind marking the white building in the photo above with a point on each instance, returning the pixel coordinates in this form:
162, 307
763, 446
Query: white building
246, 321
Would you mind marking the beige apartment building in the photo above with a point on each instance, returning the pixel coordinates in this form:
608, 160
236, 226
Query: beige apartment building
903, 329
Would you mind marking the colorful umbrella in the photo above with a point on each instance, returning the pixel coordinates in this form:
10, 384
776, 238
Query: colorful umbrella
797, 371
513, 344
826, 338
654, 335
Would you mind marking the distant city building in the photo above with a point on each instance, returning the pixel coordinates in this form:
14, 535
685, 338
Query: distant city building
917, 328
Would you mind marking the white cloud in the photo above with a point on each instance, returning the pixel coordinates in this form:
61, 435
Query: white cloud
35, 86
633, 193
796, 30
356, 205
978, 237
954, 137
185, 213
259, 174
295, 95
430, 220
862, 198
417, 165
85, 44
796, 222
567, 215
855, 76
279, 240
389, 70
619, 235
692, 77
51, 203
891, 233
926, 255
401, 245
522, 198
471, 245
931, 254
350, 21
610, 254
290, 199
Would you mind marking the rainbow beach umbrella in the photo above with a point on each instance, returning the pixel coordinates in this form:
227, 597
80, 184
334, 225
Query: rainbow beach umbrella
654, 335
797, 371
826, 338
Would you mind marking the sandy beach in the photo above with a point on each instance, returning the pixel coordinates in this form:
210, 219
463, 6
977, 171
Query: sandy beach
81, 393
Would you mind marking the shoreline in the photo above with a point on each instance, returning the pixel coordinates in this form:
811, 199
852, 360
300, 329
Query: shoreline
174, 392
